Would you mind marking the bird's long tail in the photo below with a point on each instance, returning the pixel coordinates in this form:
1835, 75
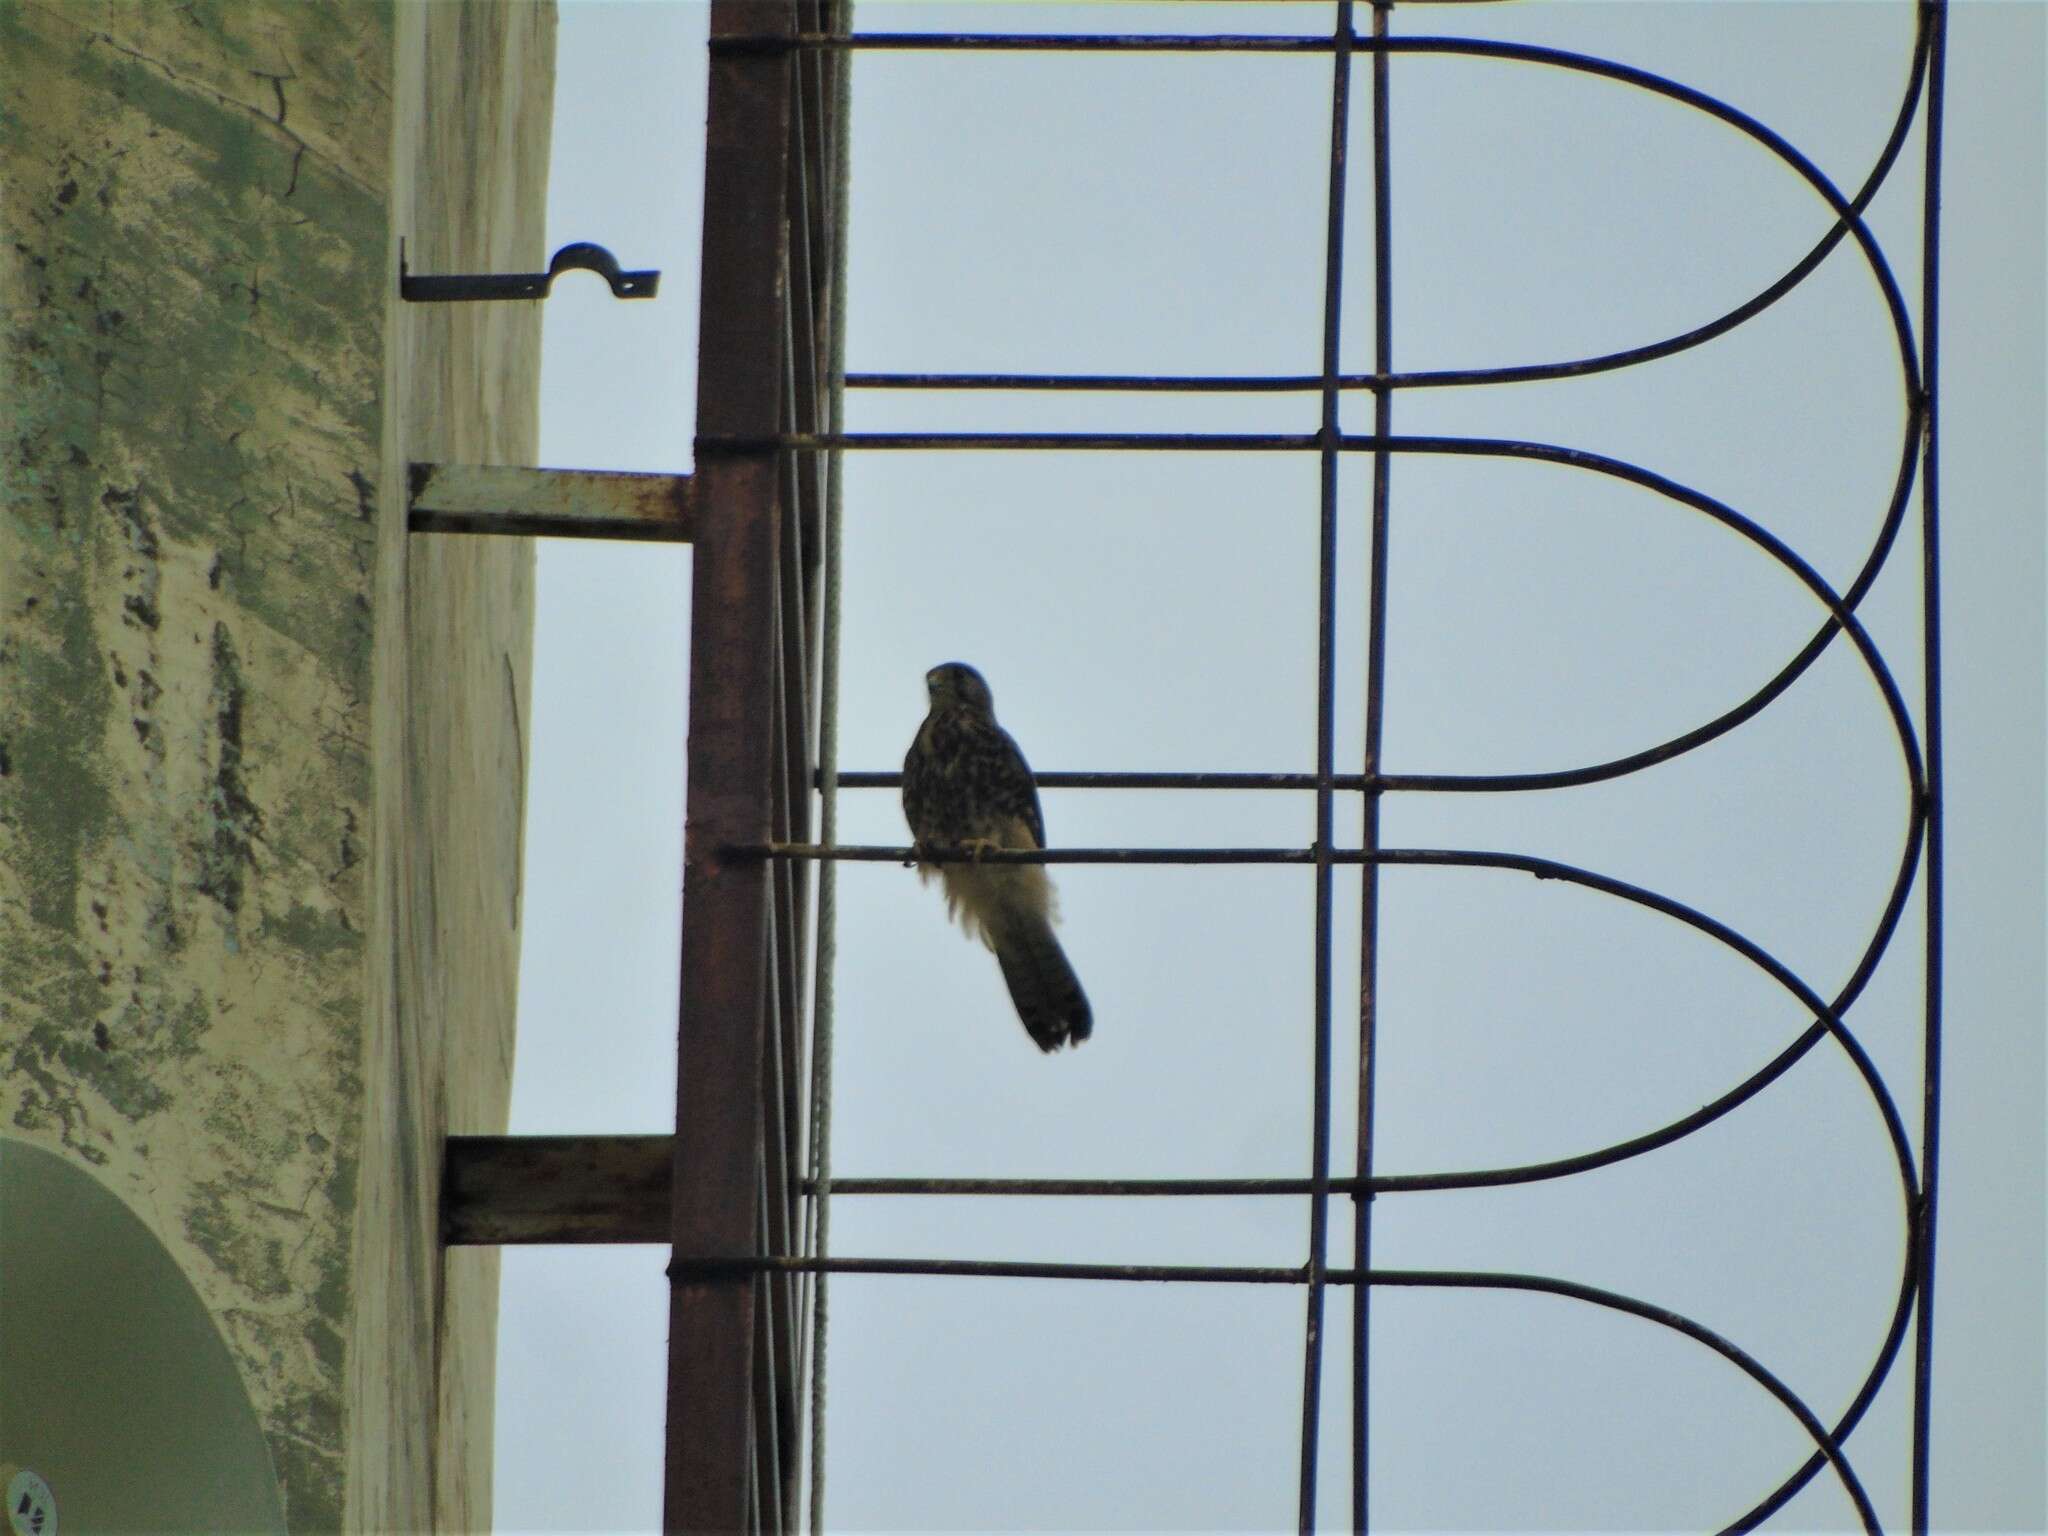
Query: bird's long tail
1042, 983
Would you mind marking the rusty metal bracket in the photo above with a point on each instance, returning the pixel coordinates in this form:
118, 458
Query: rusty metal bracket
579, 256
551, 503
499, 1190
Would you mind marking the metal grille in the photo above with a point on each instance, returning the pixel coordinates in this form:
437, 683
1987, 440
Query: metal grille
1919, 755
767, 436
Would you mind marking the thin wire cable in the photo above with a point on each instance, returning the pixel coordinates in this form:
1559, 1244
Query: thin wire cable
822, 1011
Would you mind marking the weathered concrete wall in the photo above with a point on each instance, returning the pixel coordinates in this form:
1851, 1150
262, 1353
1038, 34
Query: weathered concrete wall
260, 765
195, 259
475, 85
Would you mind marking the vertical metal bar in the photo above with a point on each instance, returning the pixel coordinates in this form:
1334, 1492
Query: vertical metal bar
770, 1433
803, 284
792, 744
774, 1391
753, 1510
1326, 688
808, 381
709, 1482
1936, 18
835, 73
782, 1046
808, 469
793, 806
1375, 716
820, 142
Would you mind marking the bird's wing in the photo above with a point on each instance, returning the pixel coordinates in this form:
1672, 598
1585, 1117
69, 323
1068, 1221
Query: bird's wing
1020, 787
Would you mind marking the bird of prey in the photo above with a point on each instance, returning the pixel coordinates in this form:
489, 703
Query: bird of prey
967, 787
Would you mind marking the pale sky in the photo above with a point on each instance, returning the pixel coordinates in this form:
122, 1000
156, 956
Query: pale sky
1038, 212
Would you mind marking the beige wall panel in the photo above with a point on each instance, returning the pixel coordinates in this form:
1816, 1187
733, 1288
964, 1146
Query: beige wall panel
475, 87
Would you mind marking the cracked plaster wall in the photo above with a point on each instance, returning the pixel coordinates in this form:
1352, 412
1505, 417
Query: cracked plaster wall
260, 766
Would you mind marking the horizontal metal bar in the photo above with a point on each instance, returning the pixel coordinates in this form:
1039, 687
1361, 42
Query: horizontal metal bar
746, 1266
555, 1189
552, 503
736, 444
891, 779
581, 256
1084, 42
869, 853
1030, 42
1198, 442
1118, 383
506, 1190
1299, 783
1106, 1188
873, 854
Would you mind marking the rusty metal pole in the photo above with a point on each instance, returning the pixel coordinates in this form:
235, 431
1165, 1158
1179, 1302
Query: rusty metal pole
726, 911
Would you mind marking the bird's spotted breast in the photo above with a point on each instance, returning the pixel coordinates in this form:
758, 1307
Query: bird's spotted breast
964, 779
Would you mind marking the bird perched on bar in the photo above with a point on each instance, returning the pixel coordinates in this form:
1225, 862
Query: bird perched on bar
966, 787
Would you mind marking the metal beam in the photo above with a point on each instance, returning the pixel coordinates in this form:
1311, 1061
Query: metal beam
713, 1363
552, 503
556, 1189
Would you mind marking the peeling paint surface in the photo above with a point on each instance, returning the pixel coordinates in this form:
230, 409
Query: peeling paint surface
184, 638
199, 549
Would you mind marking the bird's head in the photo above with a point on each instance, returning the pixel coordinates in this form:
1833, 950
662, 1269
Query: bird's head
955, 685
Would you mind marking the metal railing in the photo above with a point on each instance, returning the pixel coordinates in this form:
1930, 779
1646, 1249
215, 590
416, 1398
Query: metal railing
726, 1189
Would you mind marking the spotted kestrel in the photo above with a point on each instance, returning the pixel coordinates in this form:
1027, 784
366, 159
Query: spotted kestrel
966, 786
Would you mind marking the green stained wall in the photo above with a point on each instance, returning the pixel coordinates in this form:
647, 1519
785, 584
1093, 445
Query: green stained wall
202, 561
